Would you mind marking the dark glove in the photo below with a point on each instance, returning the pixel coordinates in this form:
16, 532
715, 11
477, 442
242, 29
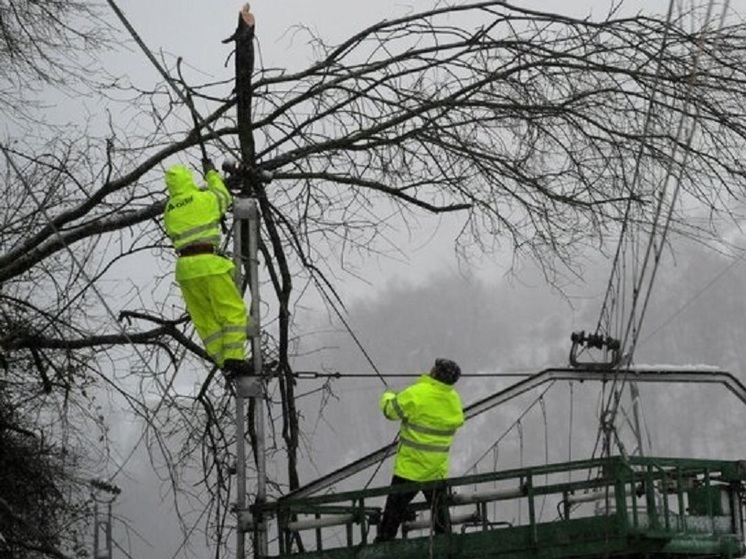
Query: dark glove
207, 165
231, 167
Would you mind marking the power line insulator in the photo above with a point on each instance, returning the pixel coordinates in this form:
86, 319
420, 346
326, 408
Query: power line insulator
608, 350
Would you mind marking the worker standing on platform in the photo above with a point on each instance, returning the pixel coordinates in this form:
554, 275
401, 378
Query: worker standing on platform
430, 412
215, 305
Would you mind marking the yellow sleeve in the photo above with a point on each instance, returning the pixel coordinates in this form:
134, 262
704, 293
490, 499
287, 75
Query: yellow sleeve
407, 401
216, 185
385, 404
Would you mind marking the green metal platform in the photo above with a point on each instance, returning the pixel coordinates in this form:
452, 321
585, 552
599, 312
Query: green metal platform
610, 507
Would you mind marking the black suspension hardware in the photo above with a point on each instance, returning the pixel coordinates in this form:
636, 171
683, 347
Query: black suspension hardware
235, 172
609, 350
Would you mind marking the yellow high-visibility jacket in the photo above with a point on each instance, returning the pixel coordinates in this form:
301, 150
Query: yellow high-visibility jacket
430, 412
192, 216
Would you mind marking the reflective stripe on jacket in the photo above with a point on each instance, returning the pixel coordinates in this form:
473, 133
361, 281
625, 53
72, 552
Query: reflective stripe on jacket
192, 216
430, 413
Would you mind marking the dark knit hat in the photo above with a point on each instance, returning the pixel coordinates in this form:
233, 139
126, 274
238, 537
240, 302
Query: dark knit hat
446, 371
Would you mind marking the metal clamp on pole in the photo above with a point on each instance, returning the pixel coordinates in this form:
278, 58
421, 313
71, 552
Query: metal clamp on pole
242, 207
245, 521
237, 173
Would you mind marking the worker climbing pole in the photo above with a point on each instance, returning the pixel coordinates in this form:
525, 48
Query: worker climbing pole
246, 176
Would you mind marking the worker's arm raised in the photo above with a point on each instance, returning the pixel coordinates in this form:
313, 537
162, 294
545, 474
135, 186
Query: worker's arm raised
216, 185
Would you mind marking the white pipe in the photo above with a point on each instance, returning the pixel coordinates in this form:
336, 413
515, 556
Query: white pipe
483, 496
455, 519
324, 522
589, 497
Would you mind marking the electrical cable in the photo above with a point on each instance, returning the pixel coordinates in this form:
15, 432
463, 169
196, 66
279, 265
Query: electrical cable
696, 296
171, 82
310, 375
634, 324
633, 328
351, 332
510, 427
195, 115
608, 304
678, 178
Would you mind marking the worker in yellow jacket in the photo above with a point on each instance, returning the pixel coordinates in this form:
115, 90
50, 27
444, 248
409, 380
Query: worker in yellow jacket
215, 305
430, 412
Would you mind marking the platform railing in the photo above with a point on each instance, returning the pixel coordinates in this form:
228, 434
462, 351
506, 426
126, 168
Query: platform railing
679, 502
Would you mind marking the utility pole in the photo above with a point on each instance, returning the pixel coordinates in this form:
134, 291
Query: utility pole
103, 496
246, 219
246, 215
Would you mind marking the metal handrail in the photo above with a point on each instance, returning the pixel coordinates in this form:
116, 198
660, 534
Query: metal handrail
618, 478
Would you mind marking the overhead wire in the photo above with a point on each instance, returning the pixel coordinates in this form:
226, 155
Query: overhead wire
656, 242
184, 96
512, 426
349, 329
655, 246
696, 296
186, 99
678, 179
609, 303
310, 375
613, 298
634, 328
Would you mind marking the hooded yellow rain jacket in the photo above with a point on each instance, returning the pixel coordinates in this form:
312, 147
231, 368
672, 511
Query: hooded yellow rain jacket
216, 307
430, 412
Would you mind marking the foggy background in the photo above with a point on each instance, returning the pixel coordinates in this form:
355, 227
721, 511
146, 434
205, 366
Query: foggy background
497, 325
421, 301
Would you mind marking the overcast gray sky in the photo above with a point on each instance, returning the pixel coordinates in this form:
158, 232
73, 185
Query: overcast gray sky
194, 30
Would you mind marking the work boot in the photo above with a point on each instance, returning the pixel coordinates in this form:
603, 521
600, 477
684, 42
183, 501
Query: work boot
241, 374
237, 367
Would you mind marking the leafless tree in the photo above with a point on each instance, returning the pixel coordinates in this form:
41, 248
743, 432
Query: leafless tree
43, 43
541, 132
43, 510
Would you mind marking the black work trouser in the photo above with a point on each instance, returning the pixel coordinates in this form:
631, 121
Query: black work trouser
396, 509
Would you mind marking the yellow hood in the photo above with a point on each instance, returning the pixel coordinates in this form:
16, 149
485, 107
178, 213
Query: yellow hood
179, 180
